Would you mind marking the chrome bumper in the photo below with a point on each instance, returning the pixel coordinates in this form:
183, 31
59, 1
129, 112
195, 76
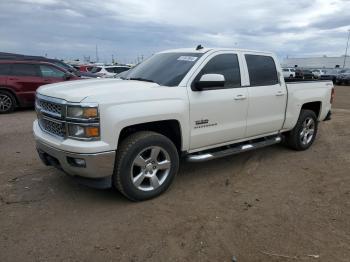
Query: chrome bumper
98, 165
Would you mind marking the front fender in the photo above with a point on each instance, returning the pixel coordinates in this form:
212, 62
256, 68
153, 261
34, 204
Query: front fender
116, 117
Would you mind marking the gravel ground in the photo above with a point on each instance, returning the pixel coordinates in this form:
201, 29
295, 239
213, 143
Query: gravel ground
272, 204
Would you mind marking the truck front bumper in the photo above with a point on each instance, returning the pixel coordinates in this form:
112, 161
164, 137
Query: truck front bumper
91, 169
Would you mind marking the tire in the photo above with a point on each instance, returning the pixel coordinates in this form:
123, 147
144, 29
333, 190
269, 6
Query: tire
304, 133
7, 102
140, 176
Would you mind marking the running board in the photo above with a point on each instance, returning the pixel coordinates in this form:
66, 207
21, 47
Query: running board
234, 149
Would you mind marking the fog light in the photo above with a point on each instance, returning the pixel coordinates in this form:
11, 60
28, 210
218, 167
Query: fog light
76, 162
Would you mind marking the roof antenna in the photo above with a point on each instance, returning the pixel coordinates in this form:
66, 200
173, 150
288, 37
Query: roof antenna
199, 47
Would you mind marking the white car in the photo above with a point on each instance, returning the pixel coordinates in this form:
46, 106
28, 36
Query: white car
288, 72
109, 71
318, 72
199, 104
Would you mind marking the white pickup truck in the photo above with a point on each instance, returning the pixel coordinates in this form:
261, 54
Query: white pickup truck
198, 104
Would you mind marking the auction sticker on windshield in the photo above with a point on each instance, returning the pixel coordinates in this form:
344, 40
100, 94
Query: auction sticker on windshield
187, 58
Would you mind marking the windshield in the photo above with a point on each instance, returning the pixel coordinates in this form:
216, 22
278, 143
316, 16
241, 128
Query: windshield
167, 69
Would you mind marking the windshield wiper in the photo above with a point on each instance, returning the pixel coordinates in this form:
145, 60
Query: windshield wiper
141, 79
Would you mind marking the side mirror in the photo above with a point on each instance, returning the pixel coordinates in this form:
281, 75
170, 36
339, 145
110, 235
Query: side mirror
210, 80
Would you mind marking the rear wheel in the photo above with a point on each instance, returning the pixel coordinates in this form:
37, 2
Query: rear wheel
146, 164
7, 102
303, 134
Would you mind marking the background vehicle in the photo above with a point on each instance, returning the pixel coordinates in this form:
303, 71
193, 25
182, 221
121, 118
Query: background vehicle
330, 74
343, 77
20, 79
200, 104
318, 72
288, 72
109, 71
83, 68
59, 63
303, 74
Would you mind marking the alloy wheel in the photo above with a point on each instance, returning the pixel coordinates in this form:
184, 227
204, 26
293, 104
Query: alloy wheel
150, 168
308, 131
5, 103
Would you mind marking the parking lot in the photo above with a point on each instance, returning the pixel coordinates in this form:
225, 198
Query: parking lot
272, 204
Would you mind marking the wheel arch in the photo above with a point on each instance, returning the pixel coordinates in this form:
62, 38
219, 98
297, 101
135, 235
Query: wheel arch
170, 128
314, 106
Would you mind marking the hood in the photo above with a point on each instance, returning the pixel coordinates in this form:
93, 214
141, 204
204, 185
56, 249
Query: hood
78, 90
111, 91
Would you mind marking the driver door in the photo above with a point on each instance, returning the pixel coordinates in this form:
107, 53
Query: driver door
218, 115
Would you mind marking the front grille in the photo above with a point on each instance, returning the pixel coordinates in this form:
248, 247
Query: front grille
50, 108
53, 127
52, 117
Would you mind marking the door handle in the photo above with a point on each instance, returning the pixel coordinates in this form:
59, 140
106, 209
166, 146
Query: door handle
13, 79
240, 97
279, 93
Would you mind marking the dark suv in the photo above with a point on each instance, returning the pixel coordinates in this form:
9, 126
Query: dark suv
20, 79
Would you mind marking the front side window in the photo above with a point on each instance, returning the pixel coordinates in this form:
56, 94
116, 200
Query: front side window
262, 70
226, 65
24, 70
166, 69
50, 71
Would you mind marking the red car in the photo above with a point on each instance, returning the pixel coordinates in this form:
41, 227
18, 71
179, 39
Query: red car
20, 79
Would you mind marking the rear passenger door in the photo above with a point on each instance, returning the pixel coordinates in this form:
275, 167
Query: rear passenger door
267, 96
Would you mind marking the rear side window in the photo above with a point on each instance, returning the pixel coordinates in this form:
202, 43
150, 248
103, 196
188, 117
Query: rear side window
24, 70
262, 70
4, 69
226, 65
50, 71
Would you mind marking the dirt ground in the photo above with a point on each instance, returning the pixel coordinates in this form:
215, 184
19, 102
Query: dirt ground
272, 204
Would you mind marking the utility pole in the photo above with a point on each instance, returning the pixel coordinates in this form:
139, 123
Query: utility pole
346, 49
97, 59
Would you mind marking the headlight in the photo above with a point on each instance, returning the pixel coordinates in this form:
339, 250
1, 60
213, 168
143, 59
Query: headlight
83, 122
82, 112
83, 132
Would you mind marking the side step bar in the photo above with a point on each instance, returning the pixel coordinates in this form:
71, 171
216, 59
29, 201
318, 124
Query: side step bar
234, 149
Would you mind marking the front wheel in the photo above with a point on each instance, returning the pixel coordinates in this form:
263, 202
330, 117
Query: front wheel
303, 134
146, 164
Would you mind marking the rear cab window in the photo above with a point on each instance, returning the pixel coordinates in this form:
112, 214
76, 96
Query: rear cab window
262, 70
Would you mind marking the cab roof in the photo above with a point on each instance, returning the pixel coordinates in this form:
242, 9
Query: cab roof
205, 50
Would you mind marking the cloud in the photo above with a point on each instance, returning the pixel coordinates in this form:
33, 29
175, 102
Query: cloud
131, 28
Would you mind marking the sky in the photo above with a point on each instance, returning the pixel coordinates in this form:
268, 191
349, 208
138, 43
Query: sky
130, 29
